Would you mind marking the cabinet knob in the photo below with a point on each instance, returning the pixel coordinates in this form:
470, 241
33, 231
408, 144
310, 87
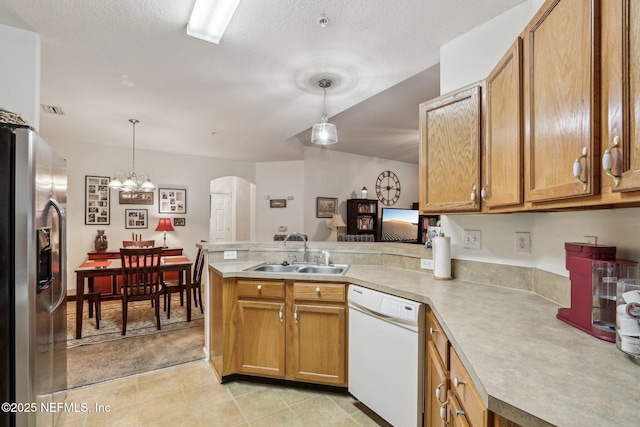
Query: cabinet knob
318, 290
259, 287
577, 168
433, 331
607, 161
457, 382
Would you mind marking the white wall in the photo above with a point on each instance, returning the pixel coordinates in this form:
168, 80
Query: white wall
20, 65
166, 170
468, 59
279, 180
472, 56
329, 173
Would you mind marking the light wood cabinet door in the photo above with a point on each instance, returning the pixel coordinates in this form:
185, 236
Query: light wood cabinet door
261, 338
503, 176
620, 94
561, 101
436, 386
319, 344
450, 152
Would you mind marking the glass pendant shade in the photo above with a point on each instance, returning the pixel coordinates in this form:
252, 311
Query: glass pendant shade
324, 133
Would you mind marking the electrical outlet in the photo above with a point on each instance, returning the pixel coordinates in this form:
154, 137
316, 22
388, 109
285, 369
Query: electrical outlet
471, 239
523, 242
230, 254
427, 264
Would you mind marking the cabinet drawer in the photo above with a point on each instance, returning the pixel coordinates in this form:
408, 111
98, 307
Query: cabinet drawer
260, 289
319, 291
438, 337
466, 392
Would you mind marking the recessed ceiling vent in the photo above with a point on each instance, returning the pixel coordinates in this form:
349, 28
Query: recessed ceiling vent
51, 109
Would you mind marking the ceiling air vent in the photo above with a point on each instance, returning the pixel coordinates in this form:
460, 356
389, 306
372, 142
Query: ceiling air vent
52, 109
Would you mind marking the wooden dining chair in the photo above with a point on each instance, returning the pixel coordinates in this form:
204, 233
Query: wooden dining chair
140, 279
174, 286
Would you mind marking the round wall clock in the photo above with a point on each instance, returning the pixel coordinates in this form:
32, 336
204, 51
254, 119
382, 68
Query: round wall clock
388, 188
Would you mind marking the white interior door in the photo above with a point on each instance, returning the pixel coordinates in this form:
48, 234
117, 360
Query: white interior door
220, 220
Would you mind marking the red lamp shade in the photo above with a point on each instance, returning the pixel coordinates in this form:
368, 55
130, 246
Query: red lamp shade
164, 225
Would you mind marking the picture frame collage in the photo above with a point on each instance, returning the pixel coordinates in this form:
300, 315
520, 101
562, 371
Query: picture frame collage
98, 203
97, 200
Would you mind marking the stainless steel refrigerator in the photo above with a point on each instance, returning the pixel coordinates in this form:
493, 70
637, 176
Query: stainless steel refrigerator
33, 287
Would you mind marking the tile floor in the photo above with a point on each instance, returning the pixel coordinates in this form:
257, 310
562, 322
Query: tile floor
190, 395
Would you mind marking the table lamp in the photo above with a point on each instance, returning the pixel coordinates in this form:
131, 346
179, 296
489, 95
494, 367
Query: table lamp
164, 224
334, 224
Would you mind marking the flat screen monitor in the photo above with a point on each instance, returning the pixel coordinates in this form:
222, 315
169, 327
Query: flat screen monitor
399, 225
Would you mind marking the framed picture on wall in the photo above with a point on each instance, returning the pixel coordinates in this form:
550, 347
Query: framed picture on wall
326, 207
97, 205
135, 197
179, 222
172, 201
136, 218
278, 203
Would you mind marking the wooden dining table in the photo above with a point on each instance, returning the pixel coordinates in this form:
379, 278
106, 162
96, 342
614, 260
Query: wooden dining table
89, 270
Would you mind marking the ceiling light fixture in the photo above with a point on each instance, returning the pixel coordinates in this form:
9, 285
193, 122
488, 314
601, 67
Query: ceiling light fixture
324, 133
133, 181
209, 19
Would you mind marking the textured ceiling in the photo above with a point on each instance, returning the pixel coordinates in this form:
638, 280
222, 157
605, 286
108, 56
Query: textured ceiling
104, 62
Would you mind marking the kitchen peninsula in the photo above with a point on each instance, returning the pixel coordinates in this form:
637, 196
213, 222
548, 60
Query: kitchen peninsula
528, 366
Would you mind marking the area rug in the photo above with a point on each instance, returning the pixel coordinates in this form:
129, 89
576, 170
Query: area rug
96, 363
141, 321
105, 354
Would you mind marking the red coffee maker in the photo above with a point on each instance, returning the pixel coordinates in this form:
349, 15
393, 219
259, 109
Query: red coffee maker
594, 273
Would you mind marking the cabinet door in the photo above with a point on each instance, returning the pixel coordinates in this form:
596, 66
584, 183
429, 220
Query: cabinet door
261, 338
319, 344
561, 101
503, 176
620, 94
450, 152
436, 386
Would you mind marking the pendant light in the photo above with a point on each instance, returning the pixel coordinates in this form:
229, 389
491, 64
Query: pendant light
324, 133
133, 181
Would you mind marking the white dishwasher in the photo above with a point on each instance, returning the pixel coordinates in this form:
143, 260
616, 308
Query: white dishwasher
386, 355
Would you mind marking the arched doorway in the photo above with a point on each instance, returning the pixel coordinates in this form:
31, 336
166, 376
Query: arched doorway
232, 209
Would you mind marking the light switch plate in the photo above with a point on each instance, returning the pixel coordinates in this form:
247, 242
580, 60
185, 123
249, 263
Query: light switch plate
471, 239
230, 254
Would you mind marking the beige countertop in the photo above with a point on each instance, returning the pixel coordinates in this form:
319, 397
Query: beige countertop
527, 365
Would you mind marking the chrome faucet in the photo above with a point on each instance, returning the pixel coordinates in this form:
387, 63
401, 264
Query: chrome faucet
304, 239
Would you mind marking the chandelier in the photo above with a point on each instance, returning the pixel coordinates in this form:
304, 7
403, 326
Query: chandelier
133, 181
324, 133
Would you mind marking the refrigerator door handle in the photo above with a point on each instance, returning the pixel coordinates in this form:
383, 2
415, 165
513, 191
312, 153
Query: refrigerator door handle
62, 232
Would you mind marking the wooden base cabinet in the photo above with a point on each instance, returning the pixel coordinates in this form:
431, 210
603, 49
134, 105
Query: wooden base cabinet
319, 344
279, 329
261, 338
451, 397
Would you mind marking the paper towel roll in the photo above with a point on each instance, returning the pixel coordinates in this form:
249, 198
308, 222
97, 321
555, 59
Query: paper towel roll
442, 258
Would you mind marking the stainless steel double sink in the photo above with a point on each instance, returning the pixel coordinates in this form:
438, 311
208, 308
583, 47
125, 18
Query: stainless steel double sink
304, 268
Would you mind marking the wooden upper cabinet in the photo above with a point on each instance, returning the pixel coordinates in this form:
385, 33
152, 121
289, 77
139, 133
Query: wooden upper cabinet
450, 152
503, 174
620, 92
561, 108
